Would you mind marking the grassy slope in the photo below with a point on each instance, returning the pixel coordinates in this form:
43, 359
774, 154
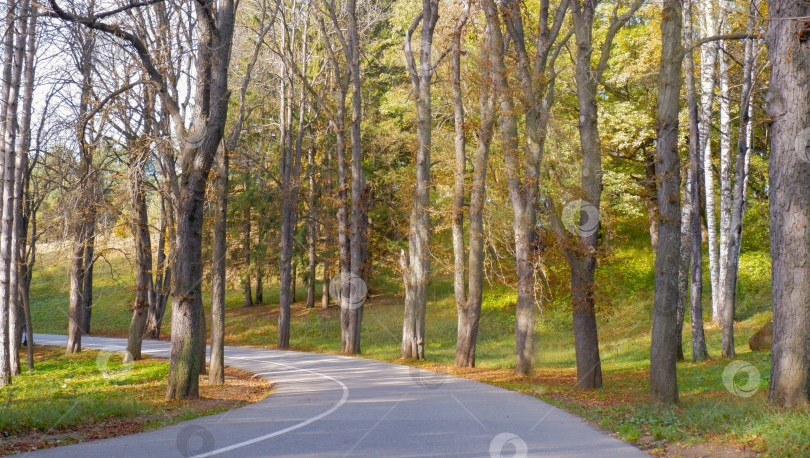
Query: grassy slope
67, 391
708, 411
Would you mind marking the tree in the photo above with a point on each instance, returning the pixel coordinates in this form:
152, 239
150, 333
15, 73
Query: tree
737, 197
583, 259
23, 204
312, 224
694, 249
663, 351
83, 221
468, 306
708, 61
416, 265
138, 146
789, 196
13, 58
523, 174
198, 144
216, 366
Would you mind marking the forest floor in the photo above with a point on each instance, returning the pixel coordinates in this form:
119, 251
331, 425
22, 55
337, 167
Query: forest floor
92, 395
723, 407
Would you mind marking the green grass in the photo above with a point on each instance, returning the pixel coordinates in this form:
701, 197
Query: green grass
707, 412
66, 391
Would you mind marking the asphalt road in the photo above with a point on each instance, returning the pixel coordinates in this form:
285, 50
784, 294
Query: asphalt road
327, 405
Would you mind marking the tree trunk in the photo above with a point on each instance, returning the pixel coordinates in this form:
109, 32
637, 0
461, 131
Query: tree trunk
75, 314
89, 258
789, 197
23, 206
164, 271
359, 215
5, 91
186, 298
246, 286
651, 198
344, 240
663, 350
28, 253
468, 307
312, 222
416, 268
687, 207
259, 285
695, 247
523, 223
684, 264
9, 316
144, 286
725, 200
290, 168
583, 267
325, 286
216, 368
737, 200
459, 256
83, 212
17, 149
260, 254
294, 281
708, 59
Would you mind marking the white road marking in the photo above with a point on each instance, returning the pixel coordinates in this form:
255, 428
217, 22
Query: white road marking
306, 422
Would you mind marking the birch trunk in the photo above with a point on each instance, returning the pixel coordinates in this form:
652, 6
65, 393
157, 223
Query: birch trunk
695, 248
738, 198
725, 201
9, 317
22, 181
708, 60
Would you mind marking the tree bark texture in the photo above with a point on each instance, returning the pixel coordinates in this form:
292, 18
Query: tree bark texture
695, 250
663, 351
144, 286
416, 266
708, 81
216, 367
788, 105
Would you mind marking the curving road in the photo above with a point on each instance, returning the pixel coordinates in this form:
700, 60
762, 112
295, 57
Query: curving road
328, 405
